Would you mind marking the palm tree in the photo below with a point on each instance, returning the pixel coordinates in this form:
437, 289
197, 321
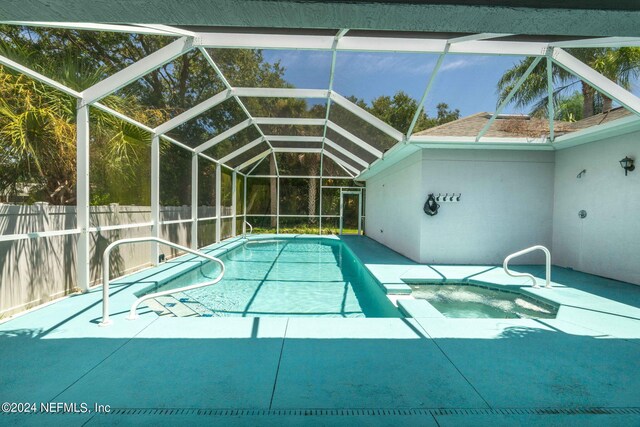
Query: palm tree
38, 131
620, 65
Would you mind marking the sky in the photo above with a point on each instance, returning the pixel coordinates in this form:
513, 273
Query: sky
465, 82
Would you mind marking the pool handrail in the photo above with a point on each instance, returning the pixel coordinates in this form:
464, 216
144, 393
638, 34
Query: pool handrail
250, 229
547, 254
132, 312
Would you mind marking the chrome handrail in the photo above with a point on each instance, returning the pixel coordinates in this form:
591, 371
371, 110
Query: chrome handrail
505, 265
250, 229
132, 313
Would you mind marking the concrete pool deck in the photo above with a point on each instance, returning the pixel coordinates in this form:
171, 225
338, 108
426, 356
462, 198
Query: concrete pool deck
582, 368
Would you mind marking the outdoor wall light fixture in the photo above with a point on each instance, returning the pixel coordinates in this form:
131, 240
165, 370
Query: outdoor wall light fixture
627, 165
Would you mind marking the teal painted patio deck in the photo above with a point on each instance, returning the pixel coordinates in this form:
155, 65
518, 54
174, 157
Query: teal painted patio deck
582, 368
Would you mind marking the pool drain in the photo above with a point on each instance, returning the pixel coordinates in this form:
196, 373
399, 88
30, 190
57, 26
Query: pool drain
374, 412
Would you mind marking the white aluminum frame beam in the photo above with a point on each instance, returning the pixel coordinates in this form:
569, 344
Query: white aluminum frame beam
366, 116
503, 145
430, 139
177, 143
293, 138
83, 196
368, 44
253, 160
167, 29
345, 152
550, 107
275, 162
194, 201
476, 37
218, 196
348, 168
432, 79
256, 165
273, 92
296, 150
294, 121
121, 116
596, 80
263, 41
193, 112
137, 70
612, 42
499, 48
234, 201
241, 150
224, 135
155, 197
332, 75
359, 142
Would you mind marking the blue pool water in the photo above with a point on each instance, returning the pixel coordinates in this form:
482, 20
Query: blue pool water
286, 277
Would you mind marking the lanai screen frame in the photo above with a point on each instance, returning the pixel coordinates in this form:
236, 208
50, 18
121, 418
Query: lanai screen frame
481, 44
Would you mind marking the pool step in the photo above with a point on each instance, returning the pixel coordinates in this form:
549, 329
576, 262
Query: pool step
193, 305
177, 305
156, 307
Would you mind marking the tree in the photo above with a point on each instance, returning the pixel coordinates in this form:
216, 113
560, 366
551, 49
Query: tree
444, 115
619, 65
569, 108
37, 130
119, 151
399, 110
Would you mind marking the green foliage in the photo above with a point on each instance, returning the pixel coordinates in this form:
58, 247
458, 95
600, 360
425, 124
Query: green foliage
444, 115
399, 110
38, 132
620, 65
569, 108
305, 229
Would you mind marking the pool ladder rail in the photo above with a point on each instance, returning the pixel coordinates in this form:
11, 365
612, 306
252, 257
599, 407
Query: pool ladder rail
547, 254
244, 236
106, 321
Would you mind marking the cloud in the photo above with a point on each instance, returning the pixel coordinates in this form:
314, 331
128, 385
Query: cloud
462, 62
376, 63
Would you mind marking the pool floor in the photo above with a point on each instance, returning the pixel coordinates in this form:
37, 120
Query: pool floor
282, 277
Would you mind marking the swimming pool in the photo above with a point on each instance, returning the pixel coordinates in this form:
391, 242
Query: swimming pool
462, 300
280, 277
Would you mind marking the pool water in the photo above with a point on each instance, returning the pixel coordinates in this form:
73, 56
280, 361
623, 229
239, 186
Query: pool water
470, 301
286, 277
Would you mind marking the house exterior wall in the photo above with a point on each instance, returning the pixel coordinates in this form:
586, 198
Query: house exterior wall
394, 206
506, 205
607, 241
